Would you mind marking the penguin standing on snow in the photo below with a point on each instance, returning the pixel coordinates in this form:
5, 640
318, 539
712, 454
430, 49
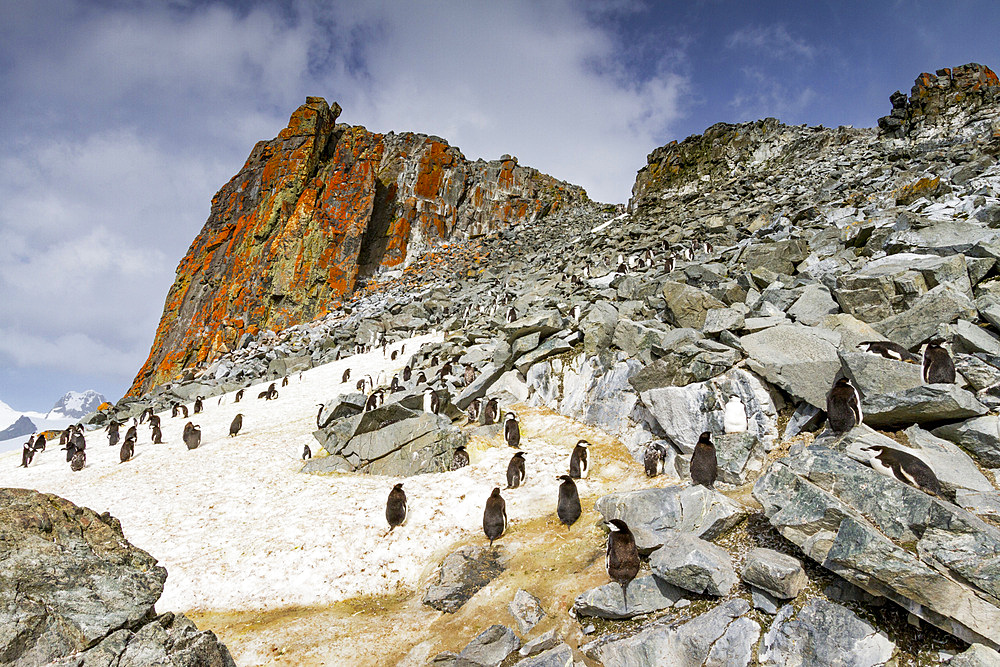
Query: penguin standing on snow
27, 454
113, 436
568, 509
346, 376
39, 445
128, 448
199, 404
395, 507
735, 419
622, 559
515, 471
407, 373
154, 421
494, 516
843, 406
491, 412
236, 425
704, 465
192, 436
239, 395
460, 458
511, 430
905, 467
653, 458
306, 452
579, 461
78, 461
473, 410
937, 364
887, 349
132, 433
157, 435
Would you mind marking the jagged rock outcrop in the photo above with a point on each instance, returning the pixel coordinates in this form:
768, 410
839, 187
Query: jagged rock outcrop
314, 210
949, 90
73, 591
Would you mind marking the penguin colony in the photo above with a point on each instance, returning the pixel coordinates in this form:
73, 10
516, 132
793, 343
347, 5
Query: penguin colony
844, 412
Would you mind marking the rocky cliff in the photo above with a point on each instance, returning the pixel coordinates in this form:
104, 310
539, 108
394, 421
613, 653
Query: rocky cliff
319, 208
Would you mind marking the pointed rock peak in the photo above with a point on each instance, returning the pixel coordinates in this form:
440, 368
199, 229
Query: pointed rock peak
313, 118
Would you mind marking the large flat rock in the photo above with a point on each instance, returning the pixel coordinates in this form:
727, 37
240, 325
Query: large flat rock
801, 360
920, 405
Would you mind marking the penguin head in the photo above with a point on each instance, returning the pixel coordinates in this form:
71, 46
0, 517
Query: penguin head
519, 455
566, 478
496, 492
510, 415
843, 382
398, 487
735, 399
583, 443
617, 526
705, 439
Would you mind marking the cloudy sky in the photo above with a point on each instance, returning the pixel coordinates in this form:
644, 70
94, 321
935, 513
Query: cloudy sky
120, 120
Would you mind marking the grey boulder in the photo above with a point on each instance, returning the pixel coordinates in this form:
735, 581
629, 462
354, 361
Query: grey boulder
490, 647
645, 595
801, 360
694, 565
462, 574
776, 573
919, 405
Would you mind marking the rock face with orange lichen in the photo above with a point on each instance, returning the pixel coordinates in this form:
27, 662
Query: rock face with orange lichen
315, 209
934, 97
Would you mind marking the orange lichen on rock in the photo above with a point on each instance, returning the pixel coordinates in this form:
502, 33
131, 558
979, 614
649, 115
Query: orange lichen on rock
315, 210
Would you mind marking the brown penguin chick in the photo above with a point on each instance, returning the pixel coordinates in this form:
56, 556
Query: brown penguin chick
495, 516
78, 461
460, 458
843, 406
473, 410
622, 559
236, 425
653, 459
937, 365
905, 467
395, 507
192, 435
515, 471
568, 508
491, 412
704, 465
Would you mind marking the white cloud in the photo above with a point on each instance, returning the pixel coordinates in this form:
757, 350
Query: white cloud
773, 41
121, 121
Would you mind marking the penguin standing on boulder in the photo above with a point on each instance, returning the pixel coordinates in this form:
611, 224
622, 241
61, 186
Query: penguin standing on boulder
622, 559
192, 436
704, 465
735, 418
843, 406
937, 364
905, 467
395, 507
473, 410
515, 471
432, 402
579, 461
460, 458
495, 516
653, 458
887, 349
568, 509
236, 425
512, 431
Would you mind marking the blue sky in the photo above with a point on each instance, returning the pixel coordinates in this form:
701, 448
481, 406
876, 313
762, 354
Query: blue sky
122, 119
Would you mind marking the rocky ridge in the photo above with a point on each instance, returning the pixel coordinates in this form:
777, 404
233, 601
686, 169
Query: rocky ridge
315, 211
752, 261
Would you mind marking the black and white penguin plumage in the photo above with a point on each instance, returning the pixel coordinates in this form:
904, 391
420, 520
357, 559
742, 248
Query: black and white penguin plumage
284, 381
39, 444
131, 433
392, 357
469, 374
473, 410
937, 364
421, 378
157, 436
113, 435
192, 435
394, 386
306, 452
668, 263
432, 402
346, 376
460, 458
653, 458
239, 395
905, 467
495, 516
579, 461
79, 442
622, 559
887, 349
128, 448
184, 411
272, 393
515, 471
395, 507
491, 412
511, 315
64, 436
78, 461
372, 401
511, 430
27, 454
568, 508
145, 413
236, 425
199, 404
154, 421
407, 373
843, 406
704, 465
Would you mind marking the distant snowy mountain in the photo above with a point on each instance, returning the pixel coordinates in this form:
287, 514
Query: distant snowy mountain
75, 404
23, 426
